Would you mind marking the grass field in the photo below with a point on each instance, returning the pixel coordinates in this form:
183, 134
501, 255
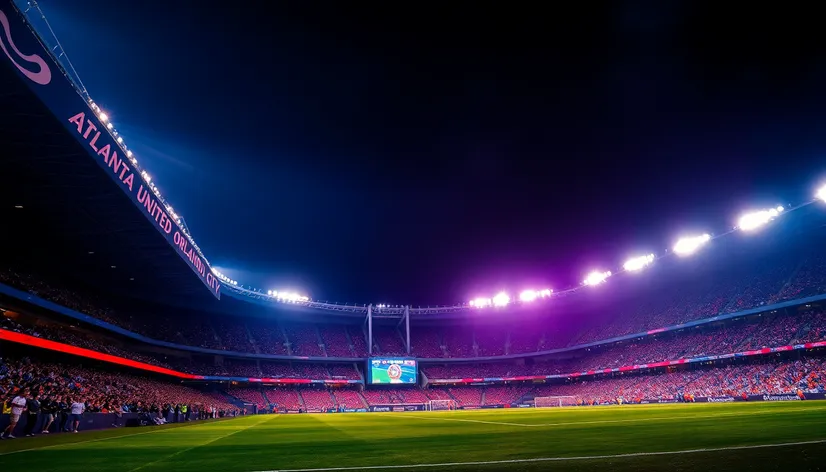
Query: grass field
709, 437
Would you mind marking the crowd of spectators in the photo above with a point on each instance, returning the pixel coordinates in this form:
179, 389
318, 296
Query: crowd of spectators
71, 335
771, 330
768, 278
57, 386
787, 377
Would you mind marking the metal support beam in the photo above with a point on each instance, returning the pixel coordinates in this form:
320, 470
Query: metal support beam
407, 326
370, 329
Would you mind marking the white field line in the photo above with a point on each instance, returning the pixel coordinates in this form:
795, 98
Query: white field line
54, 446
552, 459
627, 420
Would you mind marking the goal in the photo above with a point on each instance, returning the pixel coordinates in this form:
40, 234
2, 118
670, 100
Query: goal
548, 402
441, 405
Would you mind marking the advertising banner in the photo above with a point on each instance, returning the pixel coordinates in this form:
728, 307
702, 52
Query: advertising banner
717, 399
398, 408
25, 55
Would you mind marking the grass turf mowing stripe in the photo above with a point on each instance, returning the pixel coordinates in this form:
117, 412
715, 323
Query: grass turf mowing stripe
628, 420
156, 429
554, 459
181, 451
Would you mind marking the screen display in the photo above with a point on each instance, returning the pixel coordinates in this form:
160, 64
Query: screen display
389, 370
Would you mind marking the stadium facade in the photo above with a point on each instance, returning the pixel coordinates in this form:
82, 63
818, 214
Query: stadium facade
101, 267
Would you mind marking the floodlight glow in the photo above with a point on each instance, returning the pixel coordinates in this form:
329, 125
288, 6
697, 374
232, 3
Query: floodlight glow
596, 277
110, 125
528, 296
756, 219
128, 153
481, 302
103, 116
120, 139
687, 246
501, 299
638, 263
821, 194
290, 297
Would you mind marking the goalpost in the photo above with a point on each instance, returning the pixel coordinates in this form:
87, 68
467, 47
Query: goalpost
441, 405
550, 402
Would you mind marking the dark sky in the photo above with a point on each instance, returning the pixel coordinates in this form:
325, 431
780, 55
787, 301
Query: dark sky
366, 152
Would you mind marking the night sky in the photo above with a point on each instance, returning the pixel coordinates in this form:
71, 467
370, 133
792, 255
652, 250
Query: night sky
365, 152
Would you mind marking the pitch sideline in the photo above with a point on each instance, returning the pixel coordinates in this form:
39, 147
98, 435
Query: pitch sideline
627, 420
553, 459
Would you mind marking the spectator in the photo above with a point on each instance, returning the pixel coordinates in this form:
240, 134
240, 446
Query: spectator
18, 406
77, 410
32, 414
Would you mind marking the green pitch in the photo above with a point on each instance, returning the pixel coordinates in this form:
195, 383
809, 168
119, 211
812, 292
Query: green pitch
736, 437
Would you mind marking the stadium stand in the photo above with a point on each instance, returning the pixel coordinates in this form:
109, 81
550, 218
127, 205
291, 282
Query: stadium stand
254, 396
348, 398
303, 340
336, 342
100, 390
317, 399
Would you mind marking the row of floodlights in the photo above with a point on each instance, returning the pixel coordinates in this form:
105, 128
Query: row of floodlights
503, 299
145, 175
223, 277
289, 297
686, 246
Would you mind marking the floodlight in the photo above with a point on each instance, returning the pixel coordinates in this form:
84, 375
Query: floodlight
756, 219
821, 194
501, 299
596, 277
638, 263
687, 246
481, 302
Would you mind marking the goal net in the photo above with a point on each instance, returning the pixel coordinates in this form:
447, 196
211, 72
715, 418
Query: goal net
547, 402
441, 405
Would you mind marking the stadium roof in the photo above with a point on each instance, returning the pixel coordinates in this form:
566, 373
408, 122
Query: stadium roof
59, 207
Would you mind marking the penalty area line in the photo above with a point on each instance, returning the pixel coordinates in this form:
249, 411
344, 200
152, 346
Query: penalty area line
554, 459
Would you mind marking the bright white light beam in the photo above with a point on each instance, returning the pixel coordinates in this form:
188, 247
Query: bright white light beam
687, 246
501, 299
821, 194
481, 302
528, 296
756, 219
596, 277
638, 263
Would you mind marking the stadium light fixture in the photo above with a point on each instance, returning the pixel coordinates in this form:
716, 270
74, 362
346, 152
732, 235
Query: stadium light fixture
481, 302
501, 299
527, 296
103, 117
596, 277
821, 194
638, 263
689, 245
756, 219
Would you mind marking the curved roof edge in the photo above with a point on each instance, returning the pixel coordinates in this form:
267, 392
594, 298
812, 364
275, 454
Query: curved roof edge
51, 306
